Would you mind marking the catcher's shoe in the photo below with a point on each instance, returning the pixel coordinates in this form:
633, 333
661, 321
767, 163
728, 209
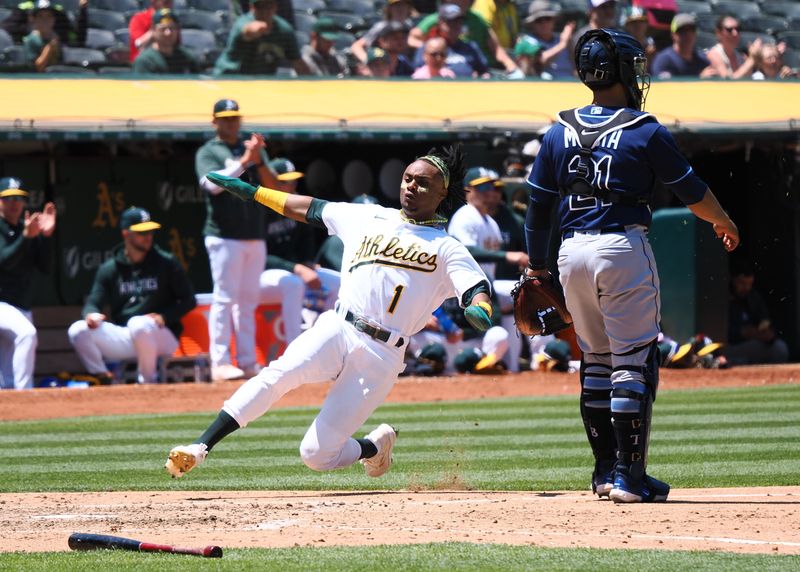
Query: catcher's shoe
184, 458
602, 482
384, 437
628, 490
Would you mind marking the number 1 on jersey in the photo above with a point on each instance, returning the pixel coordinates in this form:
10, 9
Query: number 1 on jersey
398, 291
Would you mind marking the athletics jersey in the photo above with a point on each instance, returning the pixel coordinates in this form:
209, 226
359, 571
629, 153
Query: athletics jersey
394, 272
471, 228
618, 166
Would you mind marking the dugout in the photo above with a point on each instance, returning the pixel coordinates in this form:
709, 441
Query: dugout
103, 144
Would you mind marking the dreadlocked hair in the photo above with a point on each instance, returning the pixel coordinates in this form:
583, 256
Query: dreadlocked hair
453, 157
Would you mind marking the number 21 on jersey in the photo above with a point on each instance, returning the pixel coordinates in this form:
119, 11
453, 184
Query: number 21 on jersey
602, 174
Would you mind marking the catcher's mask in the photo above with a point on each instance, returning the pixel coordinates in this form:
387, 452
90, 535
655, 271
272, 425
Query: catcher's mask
604, 57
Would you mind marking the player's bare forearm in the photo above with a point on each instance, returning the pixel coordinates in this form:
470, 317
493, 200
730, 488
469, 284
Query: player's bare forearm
709, 210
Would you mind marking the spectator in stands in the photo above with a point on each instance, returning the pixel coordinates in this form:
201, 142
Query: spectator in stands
379, 64
602, 14
259, 43
234, 240
634, 21
42, 45
557, 59
18, 24
393, 39
769, 63
726, 59
477, 30
320, 56
146, 291
26, 245
503, 18
682, 58
291, 277
751, 336
140, 27
464, 58
528, 55
165, 55
434, 57
394, 11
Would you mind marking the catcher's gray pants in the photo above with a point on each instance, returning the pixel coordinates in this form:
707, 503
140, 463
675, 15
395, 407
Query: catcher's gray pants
611, 289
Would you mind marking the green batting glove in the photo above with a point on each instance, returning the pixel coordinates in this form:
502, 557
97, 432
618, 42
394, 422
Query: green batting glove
479, 316
234, 186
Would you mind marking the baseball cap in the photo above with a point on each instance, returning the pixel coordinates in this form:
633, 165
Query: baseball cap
11, 187
165, 16
285, 169
376, 54
450, 12
137, 219
527, 46
541, 9
478, 177
681, 21
633, 14
40, 5
597, 3
326, 29
390, 27
559, 351
226, 108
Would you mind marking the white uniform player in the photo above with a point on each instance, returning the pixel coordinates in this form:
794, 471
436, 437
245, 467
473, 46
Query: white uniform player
475, 228
398, 267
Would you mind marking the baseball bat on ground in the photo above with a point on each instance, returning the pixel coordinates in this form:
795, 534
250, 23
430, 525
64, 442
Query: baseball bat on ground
87, 541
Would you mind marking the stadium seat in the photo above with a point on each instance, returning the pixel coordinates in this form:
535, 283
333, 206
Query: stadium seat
4, 13
99, 39
118, 55
739, 8
303, 38
126, 7
210, 6
71, 6
106, 20
792, 59
358, 7
303, 22
123, 36
792, 39
793, 24
707, 22
5, 40
345, 40
201, 40
12, 59
346, 22
308, 6
705, 40
785, 9
67, 69
693, 7
747, 38
202, 20
83, 57
764, 23
113, 70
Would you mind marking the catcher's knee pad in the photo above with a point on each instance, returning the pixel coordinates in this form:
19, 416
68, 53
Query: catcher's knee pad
596, 409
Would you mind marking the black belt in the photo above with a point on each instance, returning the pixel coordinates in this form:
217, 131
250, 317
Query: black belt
373, 332
607, 230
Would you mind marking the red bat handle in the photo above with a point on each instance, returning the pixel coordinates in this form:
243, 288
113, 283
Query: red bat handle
206, 552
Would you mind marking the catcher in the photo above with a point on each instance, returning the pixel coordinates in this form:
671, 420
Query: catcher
599, 164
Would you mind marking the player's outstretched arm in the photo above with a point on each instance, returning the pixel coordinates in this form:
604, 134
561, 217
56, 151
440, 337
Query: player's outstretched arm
286, 204
711, 211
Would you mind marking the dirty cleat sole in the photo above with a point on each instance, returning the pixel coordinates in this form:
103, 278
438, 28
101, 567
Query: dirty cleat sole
383, 436
184, 458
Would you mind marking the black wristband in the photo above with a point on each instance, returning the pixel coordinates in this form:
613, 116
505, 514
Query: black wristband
537, 264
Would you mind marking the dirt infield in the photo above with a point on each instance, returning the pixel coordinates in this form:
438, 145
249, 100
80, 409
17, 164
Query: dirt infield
740, 520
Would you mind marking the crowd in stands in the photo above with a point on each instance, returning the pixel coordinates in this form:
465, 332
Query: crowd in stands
421, 39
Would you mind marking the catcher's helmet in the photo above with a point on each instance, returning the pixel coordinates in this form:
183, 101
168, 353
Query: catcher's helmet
604, 57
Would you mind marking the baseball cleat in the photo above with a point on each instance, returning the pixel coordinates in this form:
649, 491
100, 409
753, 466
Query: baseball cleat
184, 458
226, 372
384, 437
626, 490
602, 483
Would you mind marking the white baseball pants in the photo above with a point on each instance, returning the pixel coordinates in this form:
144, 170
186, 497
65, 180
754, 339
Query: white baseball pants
235, 268
17, 347
141, 339
363, 371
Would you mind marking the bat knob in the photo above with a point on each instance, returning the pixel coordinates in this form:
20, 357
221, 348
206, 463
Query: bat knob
212, 552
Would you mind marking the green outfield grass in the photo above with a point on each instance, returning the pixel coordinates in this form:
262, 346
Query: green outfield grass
701, 438
451, 557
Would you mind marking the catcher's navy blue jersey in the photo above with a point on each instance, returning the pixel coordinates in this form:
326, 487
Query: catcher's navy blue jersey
628, 161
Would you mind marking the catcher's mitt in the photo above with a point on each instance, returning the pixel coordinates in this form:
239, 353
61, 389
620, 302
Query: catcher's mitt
539, 307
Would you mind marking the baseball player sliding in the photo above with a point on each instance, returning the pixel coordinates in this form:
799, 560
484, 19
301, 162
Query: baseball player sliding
398, 267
